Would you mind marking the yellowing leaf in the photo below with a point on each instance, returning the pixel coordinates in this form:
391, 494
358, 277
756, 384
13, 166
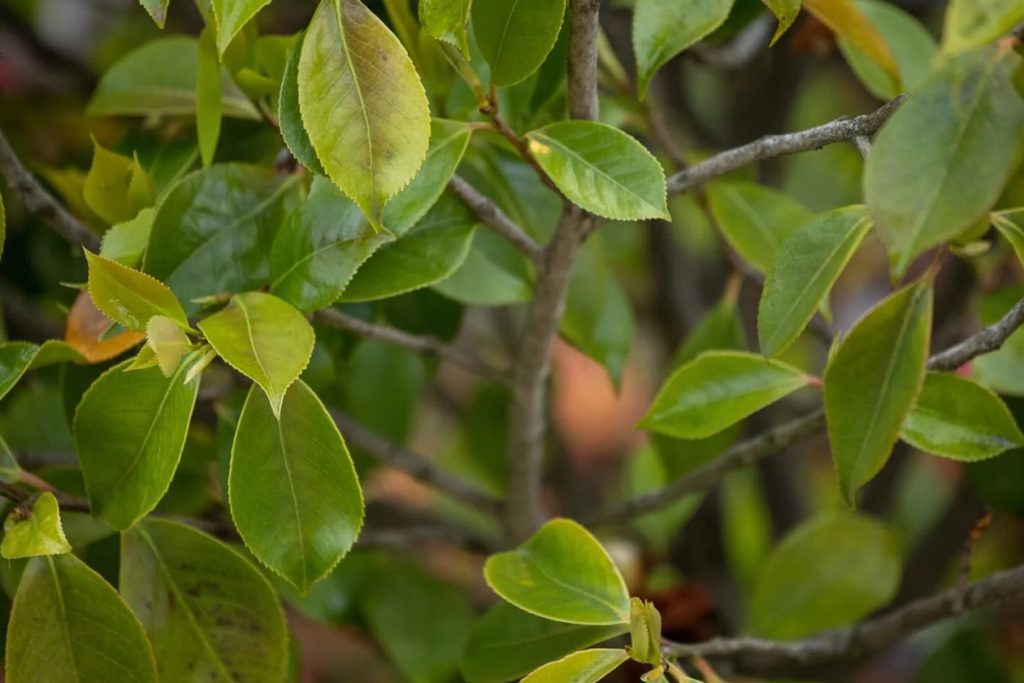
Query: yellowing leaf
362, 103
168, 342
849, 23
117, 187
40, 534
85, 328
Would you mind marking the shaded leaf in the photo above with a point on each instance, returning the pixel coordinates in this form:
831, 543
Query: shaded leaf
363, 105
68, 624
515, 36
116, 187
446, 20
805, 267
872, 381
717, 390
3, 225
129, 297
1010, 225
975, 23
126, 242
265, 339
168, 343
786, 11
293, 490
957, 418
289, 117
40, 534
210, 614
849, 23
157, 9
232, 16
16, 358
827, 573
129, 431
208, 97
664, 28
941, 161
494, 273
561, 573
601, 169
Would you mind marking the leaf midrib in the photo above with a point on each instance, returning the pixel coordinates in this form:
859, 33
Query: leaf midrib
295, 502
59, 593
359, 93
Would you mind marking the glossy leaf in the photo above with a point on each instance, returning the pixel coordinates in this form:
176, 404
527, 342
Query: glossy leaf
129, 297
827, 573
209, 613
320, 248
129, 432
717, 390
601, 169
507, 643
585, 666
363, 105
975, 23
941, 161
232, 16
912, 46
872, 381
849, 24
265, 339
16, 358
664, 28
786, 11
160, 78
213, 232
805, 267
117, 187
561, 573
447, 20
957, 418
86, 328
69, 626
157, 9
755, 219
515, 36
425, 255
40, 534
208, 97
294, 493
293, 130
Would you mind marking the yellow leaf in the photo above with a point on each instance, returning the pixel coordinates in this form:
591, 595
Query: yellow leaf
849, 23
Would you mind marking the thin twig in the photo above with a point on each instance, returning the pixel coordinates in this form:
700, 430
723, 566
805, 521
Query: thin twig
757, 657
783, 436
491, 215
40, 202
413, 342
395, 455
778, 145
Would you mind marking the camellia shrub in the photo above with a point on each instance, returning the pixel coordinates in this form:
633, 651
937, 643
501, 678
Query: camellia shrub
461, 340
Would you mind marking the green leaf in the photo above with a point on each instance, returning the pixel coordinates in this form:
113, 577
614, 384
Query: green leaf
755, 219
168, 343
448, 142
126, 242
289, 117
68, 624
912, 46
957, 418
601, 169
362, 103
17, 358
208, 98
117, 187
232, 16
1010, 224
803, 271
265, 339
645, 632
157, 9
213, 232
419, 621
717, 390
427, 254
872, 381
975, 23
446, 20
294, 493
40, 534
494, 274
320, 248
129, 297
209, 613
561, 573
585, 666
827, 573
515, 36
160, 78
786, 11
129, 432
507, 643
598, 319
664, 28
846, 20
941, 161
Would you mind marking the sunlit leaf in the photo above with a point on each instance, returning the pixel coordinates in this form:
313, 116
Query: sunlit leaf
585, 666
231, 16
849, 23
130, 297
39, 534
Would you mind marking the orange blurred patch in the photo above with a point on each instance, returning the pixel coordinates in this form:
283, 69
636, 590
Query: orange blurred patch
85, 325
